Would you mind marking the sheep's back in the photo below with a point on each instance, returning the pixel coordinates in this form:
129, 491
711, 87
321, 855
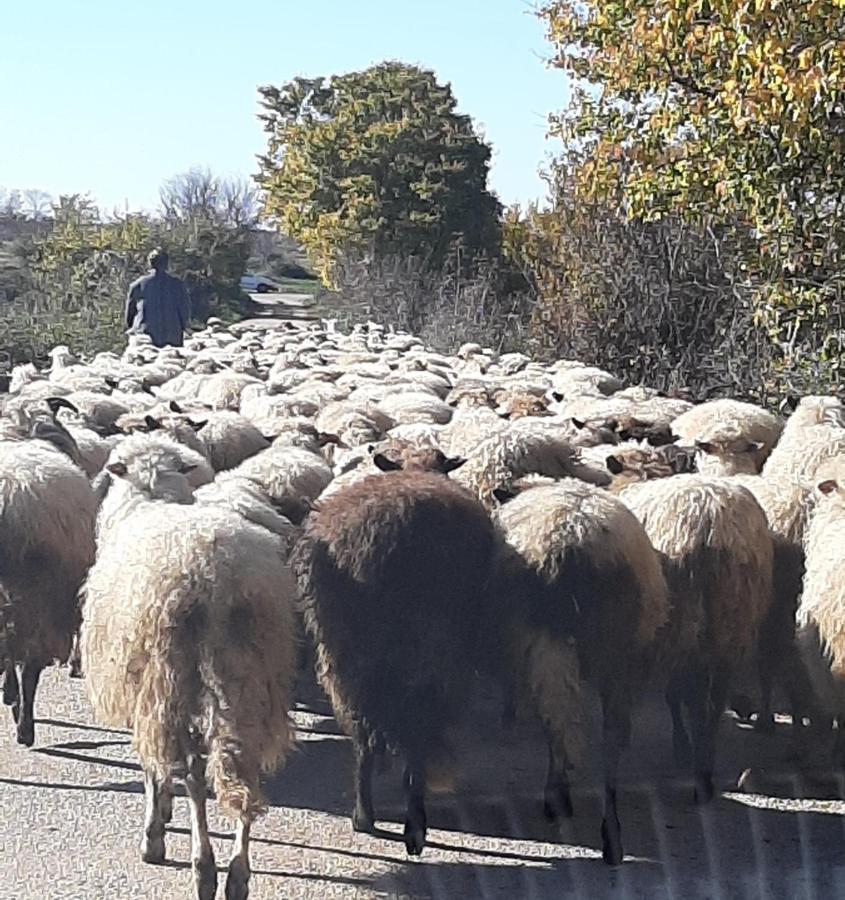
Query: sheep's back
717, 549
168, 581
393, 572
601, 578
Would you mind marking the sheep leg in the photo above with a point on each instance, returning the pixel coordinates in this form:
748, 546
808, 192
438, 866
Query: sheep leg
152, 846
706, 702
202, 855
557, 801
237, 881
616, 736
363, 816
681, 745
765, 718
30, 675
74, 662
415, 819
12, 690
165, 800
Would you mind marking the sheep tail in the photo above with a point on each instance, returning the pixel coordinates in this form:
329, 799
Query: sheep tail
248, 727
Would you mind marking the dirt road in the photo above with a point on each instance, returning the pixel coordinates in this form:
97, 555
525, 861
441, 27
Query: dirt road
73, 809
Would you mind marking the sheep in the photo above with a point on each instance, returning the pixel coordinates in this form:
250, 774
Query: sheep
734, 437
290, 476
241, 495
633, 463
586, 595
230, 439
717, 551
495, 463
187, 641
813, 433
139, 460
820, 619
788, 505
413, 406
40, 422
470, 425
47, 515
393, 573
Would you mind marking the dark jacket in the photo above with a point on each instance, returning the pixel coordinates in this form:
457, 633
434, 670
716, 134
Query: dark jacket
157, 305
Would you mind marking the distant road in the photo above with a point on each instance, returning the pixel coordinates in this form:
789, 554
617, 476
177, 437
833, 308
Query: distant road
284, 307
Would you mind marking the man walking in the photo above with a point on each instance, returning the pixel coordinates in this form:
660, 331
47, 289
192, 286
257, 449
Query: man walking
157, 304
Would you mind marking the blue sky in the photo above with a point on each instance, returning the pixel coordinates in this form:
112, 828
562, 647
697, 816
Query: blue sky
114, 96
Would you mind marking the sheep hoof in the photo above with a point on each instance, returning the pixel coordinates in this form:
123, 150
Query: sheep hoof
152, 850
611, 844
414, 839
205, 878
75, 669
237, 881
26, 732
704, 790
557, 806
765, 724
363, 822
16, 711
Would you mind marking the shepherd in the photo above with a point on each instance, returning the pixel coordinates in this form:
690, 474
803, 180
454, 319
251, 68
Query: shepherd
157, 304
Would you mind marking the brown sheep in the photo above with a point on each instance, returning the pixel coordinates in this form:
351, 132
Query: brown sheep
393, 572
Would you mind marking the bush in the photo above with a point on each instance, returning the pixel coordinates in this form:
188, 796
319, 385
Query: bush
478, 301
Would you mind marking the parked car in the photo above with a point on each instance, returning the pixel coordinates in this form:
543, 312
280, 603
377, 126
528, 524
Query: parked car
258, 284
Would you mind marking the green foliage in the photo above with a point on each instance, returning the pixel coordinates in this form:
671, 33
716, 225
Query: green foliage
727, 113
375, 163
79, 270
652, 301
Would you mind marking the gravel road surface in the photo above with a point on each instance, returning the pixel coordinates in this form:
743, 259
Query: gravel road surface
73, 811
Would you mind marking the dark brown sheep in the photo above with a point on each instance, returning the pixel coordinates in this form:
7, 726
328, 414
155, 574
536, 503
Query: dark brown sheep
393, 573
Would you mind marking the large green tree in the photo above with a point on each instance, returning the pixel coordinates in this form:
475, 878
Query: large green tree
721, 111
377, 162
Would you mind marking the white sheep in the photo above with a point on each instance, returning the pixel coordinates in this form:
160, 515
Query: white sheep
734, 437
47, 516
584, 594
717, 551
187, 640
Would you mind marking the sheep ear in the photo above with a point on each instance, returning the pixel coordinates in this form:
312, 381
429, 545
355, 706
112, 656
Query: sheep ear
557, 396
324, 437
173, 406
453, 462
680, 459
578, 423
56, 403
705, 446
828, 487
791, 402
385, 464
118, 469
152, 423
187, 468
503, 494
614, 465
197, 426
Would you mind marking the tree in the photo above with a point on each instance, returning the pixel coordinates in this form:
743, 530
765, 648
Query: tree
375, 162
36, 203
198, 194
728, 112
10, 203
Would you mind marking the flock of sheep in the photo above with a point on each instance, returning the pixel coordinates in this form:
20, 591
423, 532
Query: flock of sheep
171, 519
